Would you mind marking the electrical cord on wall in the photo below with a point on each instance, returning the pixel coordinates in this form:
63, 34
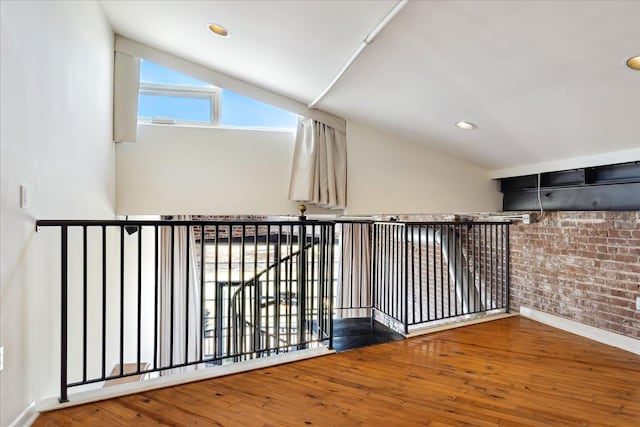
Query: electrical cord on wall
541, 214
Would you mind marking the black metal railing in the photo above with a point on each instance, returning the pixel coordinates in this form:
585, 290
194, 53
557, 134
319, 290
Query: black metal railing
150, 297
426, 272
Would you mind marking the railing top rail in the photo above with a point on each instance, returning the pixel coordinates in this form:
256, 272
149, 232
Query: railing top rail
415, 223
142, 223
267, 222
355, 221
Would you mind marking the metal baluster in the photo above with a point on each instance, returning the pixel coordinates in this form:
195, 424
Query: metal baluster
203, 320
63, 312
104, 301
84, 303
156, 243
139, 344
171, 297
121, 300
187, 243
508, 279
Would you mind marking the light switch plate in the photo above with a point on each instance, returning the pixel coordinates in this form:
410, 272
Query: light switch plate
24, 197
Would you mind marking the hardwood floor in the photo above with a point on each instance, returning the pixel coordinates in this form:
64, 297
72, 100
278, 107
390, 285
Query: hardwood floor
506, 372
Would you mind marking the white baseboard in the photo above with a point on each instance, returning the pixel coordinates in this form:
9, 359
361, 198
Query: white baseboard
83, 397
472, 320
596, 334
26, 417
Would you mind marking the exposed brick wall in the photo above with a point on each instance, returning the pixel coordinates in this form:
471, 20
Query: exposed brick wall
581, 265
223, 231
480, 250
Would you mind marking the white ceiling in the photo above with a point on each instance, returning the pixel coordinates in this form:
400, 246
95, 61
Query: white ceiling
543, 80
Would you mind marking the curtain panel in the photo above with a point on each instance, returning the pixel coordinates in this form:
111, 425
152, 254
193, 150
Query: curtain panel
126, 85
319, 168
179, 300
353, 293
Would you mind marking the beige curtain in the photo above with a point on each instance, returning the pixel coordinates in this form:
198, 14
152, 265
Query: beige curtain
186, 298
126, 84
319, 168
354, 286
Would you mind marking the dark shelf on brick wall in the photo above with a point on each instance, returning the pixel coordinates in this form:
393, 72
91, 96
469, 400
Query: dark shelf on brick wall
609, 187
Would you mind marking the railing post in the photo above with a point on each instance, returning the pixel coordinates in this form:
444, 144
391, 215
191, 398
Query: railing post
508, 260
374, 262
331, 231
406, 278
219, 326
63, 314
302, 284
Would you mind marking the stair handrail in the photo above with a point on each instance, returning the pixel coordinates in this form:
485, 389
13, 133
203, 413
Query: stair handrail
255, 280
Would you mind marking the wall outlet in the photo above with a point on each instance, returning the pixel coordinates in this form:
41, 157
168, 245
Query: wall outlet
637, 303
526, 219
1, 358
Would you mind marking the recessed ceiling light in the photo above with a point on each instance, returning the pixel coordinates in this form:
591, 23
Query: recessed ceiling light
634, 63
219, 30
466, 125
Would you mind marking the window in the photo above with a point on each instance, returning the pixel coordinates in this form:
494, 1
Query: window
176, 104
169, 97
238, 110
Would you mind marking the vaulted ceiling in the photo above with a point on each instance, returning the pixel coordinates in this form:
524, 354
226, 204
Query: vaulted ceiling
542, 80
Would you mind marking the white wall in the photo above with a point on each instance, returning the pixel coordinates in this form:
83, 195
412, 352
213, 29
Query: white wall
56, 97
197, 170
191, 170
387, 174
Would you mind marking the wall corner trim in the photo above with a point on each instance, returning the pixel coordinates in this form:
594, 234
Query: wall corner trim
26, 417
593, 333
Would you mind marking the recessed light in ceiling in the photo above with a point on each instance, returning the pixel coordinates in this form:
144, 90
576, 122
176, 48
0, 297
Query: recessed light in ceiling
634, 63
219, 30
466, 125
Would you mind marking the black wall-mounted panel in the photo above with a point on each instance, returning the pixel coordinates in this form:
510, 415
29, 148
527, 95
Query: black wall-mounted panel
612, 174
563, 178
518, 183
587, 198
609, 187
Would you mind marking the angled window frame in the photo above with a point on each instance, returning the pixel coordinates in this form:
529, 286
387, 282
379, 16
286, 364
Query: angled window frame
212, 93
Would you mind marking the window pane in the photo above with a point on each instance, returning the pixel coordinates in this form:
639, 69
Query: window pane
238, 110
235, 109
175, 107
153, 73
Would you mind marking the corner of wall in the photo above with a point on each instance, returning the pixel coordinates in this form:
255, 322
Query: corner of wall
63, 54
600, 335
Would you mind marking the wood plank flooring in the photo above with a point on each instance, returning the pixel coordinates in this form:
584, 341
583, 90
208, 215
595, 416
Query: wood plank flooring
513, 371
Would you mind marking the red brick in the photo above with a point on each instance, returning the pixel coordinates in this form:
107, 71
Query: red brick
581, 265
